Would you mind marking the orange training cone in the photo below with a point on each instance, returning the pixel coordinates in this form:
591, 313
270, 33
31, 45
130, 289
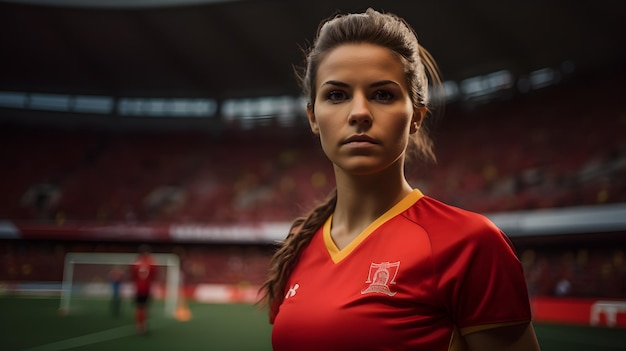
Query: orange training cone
182, 312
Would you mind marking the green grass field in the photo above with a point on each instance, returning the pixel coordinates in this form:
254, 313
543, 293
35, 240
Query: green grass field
34, 324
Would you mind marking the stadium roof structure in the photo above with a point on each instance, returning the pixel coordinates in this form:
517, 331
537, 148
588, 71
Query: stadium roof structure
242, 49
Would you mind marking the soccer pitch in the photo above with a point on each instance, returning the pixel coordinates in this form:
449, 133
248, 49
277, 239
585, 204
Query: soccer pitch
34, 324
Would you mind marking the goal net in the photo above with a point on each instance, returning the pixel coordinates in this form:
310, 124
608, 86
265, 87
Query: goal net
87, 280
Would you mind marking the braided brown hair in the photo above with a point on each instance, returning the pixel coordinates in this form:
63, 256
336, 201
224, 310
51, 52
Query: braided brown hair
386, 30
300, 234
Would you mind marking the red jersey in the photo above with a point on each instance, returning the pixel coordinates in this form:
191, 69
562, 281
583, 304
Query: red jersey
418, 277
143, 272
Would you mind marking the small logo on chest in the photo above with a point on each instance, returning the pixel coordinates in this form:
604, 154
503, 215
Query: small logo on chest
380, 276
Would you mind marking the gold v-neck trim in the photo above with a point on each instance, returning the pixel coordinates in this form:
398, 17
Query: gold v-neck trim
337, 255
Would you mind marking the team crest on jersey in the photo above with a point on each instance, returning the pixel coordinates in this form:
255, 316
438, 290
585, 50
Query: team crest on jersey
380, 276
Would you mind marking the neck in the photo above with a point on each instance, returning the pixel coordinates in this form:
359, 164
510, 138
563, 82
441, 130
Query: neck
361, 199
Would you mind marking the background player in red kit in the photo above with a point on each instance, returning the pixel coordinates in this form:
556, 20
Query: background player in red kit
143, 272
379, 265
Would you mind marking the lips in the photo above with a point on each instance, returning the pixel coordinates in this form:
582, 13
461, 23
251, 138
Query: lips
361, 138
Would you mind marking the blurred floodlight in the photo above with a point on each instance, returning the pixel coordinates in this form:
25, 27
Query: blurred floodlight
12, 99
93, 104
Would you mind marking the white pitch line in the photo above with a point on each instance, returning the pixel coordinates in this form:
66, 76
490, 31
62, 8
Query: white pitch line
89, 339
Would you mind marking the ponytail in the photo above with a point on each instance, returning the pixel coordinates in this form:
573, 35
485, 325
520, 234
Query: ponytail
284, 259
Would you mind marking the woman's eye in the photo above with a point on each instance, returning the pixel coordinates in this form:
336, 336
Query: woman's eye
383, 95
336, 95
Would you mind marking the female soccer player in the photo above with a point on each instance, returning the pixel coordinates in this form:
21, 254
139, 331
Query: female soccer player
379, 265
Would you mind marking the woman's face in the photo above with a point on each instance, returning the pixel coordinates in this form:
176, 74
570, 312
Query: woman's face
362, 110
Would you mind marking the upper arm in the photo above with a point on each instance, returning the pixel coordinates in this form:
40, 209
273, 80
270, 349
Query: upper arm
518, 337
483, 281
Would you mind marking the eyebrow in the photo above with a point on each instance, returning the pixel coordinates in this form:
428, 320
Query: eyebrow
345, 85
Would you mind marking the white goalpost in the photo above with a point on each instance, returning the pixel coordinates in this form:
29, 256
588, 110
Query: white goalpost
85, 273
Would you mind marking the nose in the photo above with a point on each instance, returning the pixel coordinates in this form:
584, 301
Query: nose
360, 114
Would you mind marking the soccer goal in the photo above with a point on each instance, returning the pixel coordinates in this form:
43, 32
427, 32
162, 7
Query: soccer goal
87, 276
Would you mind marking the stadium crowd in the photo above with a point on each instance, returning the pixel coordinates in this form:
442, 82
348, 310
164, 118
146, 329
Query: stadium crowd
533, 152
556, 149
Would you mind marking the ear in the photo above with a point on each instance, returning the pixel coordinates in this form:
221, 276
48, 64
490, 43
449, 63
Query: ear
416, 120
312, 120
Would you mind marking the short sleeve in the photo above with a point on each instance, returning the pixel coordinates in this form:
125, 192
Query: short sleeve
482, 278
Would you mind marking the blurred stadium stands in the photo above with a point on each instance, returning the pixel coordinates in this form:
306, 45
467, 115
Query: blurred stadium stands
559, 148
538, 152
